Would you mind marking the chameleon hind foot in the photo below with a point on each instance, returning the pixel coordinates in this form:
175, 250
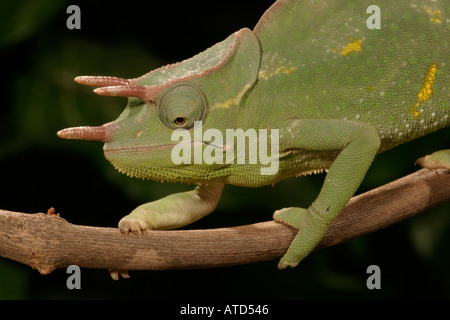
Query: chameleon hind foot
437, 160
310, 232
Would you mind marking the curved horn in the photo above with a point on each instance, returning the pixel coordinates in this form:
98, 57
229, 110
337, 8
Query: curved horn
119, 87
101, 81
100, 133
123, 91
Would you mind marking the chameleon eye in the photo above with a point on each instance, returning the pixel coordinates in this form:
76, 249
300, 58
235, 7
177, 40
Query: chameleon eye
181, 105
180, 121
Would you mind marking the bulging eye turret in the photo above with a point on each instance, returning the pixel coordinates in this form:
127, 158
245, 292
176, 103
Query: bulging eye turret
182, 105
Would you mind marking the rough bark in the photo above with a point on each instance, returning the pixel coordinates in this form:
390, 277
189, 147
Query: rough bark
47, 241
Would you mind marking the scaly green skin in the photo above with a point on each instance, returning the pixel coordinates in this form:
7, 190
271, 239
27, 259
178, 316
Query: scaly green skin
338, 92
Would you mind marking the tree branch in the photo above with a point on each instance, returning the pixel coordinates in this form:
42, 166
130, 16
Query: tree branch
47, 242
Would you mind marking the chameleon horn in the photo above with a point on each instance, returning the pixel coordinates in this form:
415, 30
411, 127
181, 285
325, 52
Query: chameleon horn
101, 133
101, 81
123, 91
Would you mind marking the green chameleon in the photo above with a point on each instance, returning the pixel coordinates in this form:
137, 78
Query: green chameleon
337, 81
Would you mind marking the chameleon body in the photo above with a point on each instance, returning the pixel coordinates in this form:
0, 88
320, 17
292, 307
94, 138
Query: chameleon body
337, 90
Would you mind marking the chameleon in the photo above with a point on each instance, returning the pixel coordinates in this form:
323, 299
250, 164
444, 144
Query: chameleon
340, 82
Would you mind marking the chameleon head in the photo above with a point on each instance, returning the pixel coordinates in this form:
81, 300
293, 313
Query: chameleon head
139, 143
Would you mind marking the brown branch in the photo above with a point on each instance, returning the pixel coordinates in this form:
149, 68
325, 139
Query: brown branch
48, 242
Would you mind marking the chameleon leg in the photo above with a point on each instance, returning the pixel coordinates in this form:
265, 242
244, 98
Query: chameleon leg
357, 144
437, 160
174, 211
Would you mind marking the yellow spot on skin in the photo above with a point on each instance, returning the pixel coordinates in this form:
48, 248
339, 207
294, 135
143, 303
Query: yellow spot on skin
233, 101
264, 75
426, 92
435, 15
354, 46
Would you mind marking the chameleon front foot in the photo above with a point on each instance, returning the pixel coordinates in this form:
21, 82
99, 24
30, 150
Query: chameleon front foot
173, 211
132, 224
139, 219
309, 234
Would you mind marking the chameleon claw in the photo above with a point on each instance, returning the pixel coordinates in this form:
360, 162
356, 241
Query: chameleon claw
283, 265
115, 273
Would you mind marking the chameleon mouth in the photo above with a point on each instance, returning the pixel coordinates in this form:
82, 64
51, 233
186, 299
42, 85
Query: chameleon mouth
107, 149
137, 162
137, 149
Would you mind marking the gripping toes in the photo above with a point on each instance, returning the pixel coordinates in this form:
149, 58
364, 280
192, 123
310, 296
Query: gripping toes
309, 234
437, 160
290, 216
129, 223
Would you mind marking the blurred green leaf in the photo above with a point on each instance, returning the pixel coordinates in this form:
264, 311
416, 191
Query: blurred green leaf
13, 280
20, 20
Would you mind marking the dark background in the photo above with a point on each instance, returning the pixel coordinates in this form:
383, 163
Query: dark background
40, 57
